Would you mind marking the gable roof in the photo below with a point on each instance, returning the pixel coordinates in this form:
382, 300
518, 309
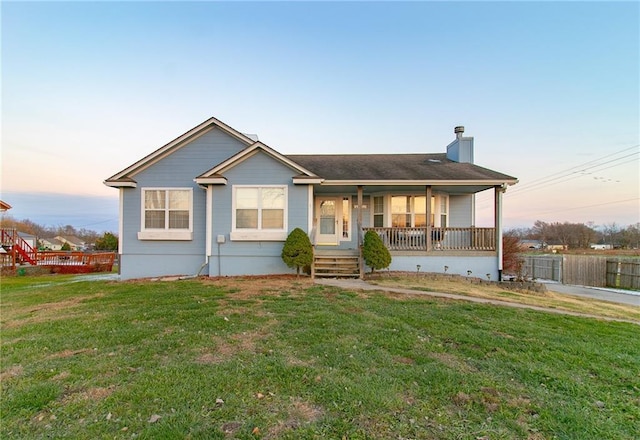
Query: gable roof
52, 241
71, 239
420, 169
331, 169
215, 174
125, 177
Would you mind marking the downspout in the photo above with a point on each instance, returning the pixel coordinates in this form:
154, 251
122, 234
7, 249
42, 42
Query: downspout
120, 228
209, 228
498, 190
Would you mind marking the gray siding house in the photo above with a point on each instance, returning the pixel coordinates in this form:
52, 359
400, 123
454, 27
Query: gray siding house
217, 202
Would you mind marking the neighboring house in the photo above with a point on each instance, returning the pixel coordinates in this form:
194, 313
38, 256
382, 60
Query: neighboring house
51, 244
555, 247
531, 244
74, 242
601, 247
4, 207
31, 240
215, 201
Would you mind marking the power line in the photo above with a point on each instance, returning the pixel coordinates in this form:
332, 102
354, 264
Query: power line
583, 164
571, 173
588, 206
98, 223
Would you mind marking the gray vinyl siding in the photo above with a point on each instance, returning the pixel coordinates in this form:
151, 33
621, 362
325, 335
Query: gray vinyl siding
254, 257
149, 258
461, 211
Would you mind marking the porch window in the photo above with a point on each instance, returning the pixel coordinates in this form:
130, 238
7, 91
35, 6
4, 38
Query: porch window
346, 216
167, 214
378, 211
439, 209
408, 211
444, 202
259, 212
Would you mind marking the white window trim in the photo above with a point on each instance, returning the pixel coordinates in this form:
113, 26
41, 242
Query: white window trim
166, 233
387, 215
259, 234
445, 198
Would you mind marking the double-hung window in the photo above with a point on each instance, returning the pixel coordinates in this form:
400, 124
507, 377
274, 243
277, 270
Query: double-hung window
378, 211
408, 211
167, 214
259, 213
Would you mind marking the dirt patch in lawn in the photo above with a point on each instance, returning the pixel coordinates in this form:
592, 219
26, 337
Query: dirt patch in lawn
44, 312
93, 394
298, 413
453, 362
67, 353
13, 371
248, 287
227, 348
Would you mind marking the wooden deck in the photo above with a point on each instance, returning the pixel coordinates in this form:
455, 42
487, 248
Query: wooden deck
19, 253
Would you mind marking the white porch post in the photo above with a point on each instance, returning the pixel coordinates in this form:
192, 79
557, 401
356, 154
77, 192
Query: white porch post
428, 214
359, 215
359, 226
498, 190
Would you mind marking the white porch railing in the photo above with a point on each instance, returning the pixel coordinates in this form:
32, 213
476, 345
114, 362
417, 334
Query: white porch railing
446, 239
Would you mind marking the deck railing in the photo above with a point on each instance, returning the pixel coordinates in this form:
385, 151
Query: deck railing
446, 239
77, 262
53, 258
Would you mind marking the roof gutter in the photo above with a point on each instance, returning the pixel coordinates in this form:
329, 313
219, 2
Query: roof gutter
420, 182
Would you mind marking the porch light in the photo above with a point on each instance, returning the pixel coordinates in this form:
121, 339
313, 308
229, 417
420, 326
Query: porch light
446, 268
469, 273
418, 267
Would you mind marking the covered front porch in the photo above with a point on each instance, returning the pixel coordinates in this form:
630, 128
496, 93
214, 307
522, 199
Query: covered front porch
401, 215
437, 236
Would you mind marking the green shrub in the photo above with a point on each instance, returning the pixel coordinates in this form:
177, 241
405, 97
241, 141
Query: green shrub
297, 251
375, 253
108, 242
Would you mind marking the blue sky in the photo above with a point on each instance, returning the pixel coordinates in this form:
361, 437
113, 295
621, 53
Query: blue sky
549, 90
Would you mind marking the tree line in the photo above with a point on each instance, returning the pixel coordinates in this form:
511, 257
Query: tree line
580, 235
105, 241
572, 235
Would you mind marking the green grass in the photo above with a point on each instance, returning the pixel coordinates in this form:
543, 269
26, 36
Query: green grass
246, 359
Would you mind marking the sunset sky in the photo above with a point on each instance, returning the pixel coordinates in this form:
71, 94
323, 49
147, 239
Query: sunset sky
549, 90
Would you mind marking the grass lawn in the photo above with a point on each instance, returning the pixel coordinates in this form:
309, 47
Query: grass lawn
283, 358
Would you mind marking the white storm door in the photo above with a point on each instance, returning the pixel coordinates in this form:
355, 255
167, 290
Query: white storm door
327, 221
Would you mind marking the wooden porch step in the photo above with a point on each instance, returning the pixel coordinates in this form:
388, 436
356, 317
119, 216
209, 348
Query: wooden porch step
337, 265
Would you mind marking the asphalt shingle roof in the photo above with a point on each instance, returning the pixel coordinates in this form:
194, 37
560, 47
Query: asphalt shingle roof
378, 167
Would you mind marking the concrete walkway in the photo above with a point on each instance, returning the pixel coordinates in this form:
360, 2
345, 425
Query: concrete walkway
357, 284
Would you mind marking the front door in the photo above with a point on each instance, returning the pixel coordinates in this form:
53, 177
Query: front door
327, 221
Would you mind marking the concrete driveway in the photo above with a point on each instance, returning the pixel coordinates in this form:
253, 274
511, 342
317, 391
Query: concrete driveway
611, 295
